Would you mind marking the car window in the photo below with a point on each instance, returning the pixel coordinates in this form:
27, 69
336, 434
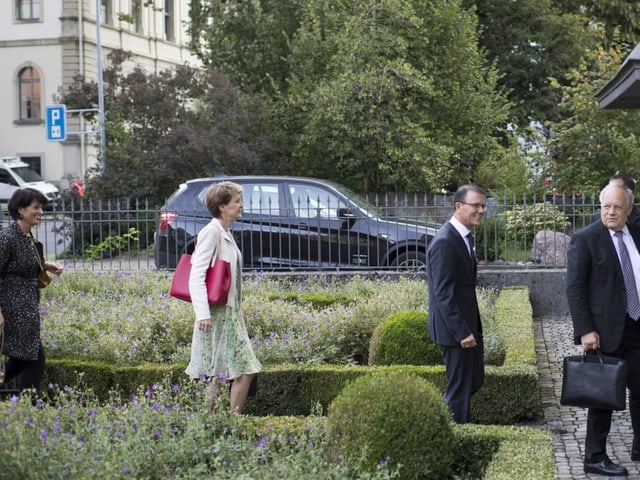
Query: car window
261, 199
310, 201
5, 177
27, 174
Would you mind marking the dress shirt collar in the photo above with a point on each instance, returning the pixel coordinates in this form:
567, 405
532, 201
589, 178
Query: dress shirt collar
624, 230
462, 230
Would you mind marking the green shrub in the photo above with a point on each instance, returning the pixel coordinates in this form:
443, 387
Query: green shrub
524, 221
317, 300
403, 339
495, 351
490, 239
394, 419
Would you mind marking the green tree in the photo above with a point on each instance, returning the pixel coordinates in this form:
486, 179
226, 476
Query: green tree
375, 93
249, 40
532, 41
164, 128
591, 144
620, 18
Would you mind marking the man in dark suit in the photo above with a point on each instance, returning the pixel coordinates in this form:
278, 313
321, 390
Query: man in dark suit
630, 183
605, 309
454, 319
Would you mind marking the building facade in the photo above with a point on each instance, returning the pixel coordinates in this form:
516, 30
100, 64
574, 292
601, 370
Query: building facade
44, 44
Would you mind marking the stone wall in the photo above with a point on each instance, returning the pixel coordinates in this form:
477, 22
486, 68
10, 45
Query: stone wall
547, 287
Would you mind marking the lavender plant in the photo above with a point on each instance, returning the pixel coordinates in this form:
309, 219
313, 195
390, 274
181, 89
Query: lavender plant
129, 319
165, 431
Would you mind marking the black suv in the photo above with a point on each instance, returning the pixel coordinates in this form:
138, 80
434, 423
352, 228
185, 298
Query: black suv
294, 223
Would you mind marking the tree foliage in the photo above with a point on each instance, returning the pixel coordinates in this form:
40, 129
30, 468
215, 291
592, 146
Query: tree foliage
165, 128
591, 144
375, 94
372, 93
531, 42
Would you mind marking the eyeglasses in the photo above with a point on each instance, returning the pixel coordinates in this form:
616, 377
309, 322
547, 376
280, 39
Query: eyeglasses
476, 206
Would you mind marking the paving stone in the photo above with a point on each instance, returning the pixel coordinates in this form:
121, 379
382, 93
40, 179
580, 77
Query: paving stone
554, 341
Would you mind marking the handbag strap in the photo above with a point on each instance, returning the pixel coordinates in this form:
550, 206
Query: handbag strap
35, 250
216, 251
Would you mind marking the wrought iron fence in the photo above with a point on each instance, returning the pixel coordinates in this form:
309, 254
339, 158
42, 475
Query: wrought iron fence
523, 232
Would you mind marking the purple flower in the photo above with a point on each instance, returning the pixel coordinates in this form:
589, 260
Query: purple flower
157, 433
262, 442
44, 435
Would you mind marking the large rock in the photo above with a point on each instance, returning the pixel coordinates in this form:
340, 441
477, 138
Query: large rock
550, 248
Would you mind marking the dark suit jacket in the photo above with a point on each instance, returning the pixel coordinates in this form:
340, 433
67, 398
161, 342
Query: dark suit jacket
451, 278
595, 285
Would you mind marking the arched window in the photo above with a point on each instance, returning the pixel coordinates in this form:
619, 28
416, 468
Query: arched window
29, 94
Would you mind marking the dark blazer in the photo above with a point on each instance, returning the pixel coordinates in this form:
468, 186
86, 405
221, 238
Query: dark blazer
451, 278
595, 285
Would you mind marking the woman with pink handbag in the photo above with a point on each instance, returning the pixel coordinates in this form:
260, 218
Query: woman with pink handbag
221, 349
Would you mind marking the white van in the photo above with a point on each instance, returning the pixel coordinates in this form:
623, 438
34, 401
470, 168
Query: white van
15, 174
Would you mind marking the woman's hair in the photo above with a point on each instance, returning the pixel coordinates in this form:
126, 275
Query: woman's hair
220, 194
24, 197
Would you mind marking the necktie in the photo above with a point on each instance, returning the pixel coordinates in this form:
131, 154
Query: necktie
633, 303
471, 244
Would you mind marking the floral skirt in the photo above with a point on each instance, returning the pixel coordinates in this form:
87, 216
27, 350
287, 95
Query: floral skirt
225, 351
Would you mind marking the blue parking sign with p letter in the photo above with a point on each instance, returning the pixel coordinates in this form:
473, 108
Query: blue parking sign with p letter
56, 123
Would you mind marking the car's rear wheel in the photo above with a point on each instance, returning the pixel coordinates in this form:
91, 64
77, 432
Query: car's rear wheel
411, 261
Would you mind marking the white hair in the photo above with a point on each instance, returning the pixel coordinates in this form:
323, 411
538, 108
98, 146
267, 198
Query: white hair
627, 193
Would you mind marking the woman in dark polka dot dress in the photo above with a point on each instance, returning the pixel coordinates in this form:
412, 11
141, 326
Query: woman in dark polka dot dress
20, 264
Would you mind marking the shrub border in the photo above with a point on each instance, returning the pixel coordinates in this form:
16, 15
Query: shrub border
510, 394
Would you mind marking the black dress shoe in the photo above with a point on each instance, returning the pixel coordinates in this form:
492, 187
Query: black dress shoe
606, 467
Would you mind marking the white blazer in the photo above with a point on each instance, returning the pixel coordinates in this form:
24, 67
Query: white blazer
202, 258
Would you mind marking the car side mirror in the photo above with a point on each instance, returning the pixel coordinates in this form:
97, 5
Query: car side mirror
345, 213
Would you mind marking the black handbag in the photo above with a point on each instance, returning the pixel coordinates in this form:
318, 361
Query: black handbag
594, 381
